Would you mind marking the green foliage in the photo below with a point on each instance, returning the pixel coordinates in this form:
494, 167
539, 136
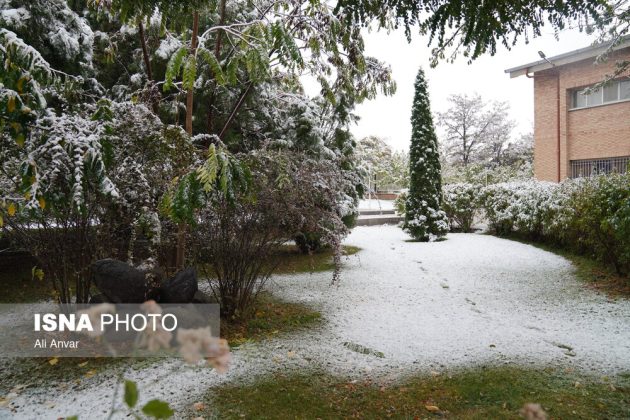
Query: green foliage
158, 409
211, 60
131, 394
24, 71
588, 216
459, 203
424, 218
600, 219
220, 173
174, 67
468, 26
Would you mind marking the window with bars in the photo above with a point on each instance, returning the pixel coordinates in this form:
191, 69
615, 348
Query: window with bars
591, 167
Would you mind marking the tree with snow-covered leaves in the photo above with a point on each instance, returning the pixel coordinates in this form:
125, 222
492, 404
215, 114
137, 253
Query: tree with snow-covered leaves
424, 219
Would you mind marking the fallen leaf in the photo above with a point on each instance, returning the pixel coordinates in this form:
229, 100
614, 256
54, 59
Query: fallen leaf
53, 361
83, 364
90, 373
432, 408
290, 354
199, 406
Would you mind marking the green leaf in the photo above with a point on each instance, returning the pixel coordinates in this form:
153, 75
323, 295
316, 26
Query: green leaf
131, 394
190, 72
157, 409
214, 65
173, 67
207, 173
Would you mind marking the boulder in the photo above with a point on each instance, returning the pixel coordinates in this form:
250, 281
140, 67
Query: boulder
99, 298
181, 288
201, 297
121, 283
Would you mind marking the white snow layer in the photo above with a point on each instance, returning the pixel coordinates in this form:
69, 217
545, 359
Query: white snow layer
472, 299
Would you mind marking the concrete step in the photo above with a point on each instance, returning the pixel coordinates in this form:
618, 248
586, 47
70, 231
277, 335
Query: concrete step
375, 220
375, 212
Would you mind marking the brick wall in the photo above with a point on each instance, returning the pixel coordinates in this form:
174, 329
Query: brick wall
587, 133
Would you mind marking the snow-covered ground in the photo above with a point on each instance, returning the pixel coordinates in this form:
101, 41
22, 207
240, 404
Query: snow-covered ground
472, 299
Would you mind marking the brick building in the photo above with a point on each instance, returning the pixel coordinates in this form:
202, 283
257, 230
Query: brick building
578, 133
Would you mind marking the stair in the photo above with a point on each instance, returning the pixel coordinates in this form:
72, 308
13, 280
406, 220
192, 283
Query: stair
378, 217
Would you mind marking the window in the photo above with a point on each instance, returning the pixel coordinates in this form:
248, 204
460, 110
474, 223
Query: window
594, 98
614, 91
611, 92
579, 99
590, 167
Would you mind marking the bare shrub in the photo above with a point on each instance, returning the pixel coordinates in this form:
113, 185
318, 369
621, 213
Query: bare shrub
237, 237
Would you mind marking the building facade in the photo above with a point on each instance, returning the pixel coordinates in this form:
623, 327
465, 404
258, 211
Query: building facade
579, 129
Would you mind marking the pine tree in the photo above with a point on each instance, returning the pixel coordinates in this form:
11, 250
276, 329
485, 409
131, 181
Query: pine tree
424, 220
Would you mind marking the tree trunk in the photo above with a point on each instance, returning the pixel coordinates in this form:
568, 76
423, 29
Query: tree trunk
189, 94
217, 54
180, 257
145, 51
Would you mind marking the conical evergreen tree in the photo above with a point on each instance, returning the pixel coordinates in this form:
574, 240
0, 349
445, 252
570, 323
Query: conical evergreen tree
424, 219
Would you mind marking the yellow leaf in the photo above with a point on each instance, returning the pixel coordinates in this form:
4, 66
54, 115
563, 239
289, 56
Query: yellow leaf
83, 364
11, 209
53, 361
1, 221
37, 273
42, 202
90, 373
19, 139
432, 408
20, 84
11, 104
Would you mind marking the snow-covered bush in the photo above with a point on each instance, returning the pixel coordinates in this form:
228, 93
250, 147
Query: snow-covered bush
87, 185
495, 200
590, 215
601, 219
529, 207
459, 201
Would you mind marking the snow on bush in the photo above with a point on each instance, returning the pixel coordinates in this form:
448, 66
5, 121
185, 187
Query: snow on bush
590, 215
458, 201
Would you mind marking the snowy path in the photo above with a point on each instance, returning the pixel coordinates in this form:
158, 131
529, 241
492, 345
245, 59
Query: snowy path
468, 300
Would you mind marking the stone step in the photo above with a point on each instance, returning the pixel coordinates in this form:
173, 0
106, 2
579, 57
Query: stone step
375, 212
374, 220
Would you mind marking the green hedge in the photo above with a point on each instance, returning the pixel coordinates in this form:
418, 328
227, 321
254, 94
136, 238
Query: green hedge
588, 215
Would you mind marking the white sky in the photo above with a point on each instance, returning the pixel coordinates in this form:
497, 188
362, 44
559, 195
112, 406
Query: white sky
389, 117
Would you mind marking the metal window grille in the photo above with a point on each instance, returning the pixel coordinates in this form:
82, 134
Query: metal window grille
591, 167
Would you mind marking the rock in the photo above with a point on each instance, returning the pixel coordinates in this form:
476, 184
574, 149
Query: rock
188, 316
100, 298
201, 297
181, 288
121, 283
